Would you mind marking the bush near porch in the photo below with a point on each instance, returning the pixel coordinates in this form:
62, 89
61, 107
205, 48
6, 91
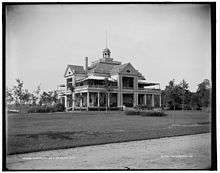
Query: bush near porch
45, 109
152, 113
145, 112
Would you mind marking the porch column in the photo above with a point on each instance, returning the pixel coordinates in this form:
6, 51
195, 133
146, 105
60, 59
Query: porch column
87, 104
135, 99
118, 99
80, 99
98, 99
160, 100
66, 101
73, 103
108, 99
120, 95
145, 99
152, 101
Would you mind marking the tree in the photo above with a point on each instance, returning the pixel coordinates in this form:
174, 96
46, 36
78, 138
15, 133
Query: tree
184, 86
20, 96
204, 91
9, 96
18, 91
53, 97
26, 96
195, 102
169, 98
44, 99
108, 88
49, 98
35, 96
176, 96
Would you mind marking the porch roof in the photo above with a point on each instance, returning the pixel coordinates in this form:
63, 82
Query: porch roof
147, 83
92, 77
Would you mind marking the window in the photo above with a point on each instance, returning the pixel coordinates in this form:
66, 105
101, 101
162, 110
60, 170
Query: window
128, 82
69, 82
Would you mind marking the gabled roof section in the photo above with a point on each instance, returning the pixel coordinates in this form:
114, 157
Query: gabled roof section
101, 67
117, 69
126, 68
74, 69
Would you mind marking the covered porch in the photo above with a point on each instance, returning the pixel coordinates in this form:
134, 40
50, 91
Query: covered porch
95, 100
87, 100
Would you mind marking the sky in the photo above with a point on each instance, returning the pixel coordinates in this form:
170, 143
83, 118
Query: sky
162, 41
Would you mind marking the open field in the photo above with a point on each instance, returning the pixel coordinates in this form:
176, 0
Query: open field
37, 132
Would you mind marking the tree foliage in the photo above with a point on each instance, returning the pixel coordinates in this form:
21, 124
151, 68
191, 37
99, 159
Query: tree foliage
9, 96
49, 98
203, 92
19, 96
178, 96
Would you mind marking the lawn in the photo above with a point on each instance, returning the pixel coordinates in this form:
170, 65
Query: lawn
37, 132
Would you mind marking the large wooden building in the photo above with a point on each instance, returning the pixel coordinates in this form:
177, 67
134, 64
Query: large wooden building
109, 82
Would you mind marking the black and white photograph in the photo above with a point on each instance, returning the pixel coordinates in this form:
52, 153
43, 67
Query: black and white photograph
109, 86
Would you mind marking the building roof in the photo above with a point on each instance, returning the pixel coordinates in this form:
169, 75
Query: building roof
77, 68
118, 68
101, 67
111, 68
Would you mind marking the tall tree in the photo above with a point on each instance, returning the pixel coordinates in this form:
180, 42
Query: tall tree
176, 96
169, 98
36, 95
18, 91
185, 92
9, 96
195, 102
204, 91
21, 96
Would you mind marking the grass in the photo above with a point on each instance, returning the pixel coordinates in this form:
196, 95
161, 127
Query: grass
38, 132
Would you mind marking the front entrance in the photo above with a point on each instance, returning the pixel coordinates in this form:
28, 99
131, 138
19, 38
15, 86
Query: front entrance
128, 100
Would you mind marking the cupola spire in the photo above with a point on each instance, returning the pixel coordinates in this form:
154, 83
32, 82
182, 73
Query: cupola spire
106, 52
106, 39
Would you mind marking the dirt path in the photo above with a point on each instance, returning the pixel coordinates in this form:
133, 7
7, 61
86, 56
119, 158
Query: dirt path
183, 152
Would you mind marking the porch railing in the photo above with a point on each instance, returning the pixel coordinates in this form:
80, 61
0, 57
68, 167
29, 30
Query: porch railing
93, 86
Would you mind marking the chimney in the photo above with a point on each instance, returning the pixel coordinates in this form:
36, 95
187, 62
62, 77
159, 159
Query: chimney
86, 65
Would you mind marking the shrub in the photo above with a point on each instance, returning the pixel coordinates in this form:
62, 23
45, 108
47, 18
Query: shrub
143, 107
60, 107
132, 112
152, 113
46, 109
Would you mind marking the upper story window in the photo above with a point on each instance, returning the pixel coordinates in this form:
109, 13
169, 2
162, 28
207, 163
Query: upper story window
127, 82
69, 82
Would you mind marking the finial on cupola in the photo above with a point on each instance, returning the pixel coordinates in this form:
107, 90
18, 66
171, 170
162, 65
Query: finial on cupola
106, 52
